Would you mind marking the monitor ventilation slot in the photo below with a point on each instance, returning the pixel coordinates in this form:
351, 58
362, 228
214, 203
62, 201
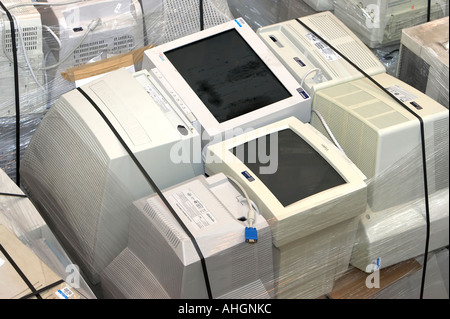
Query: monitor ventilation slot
166, 227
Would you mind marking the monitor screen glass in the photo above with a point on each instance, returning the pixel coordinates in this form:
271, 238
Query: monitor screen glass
227, 75
298, 171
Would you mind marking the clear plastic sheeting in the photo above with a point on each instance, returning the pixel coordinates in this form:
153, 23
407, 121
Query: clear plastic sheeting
321, 5
389, 56
379, 23
259, 13
55, 35
424, 58
29, 241
147, 227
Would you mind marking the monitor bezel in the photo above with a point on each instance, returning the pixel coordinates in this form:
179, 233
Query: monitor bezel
155, 58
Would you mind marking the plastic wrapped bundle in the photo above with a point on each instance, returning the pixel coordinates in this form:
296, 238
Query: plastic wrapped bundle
215, 217
380, 23
62, 34
424, 57
29, 244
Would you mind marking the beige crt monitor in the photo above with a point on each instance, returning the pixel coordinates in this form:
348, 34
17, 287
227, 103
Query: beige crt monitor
163, 256
308, 191
308, 184
383, 137
82, 178
313, 63
226, 80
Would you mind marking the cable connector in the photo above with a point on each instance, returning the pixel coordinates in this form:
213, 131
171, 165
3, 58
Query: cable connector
251, 235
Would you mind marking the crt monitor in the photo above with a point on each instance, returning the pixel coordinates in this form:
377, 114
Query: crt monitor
225, 78
304, 185
308, 191
383, 137
82, 178
312, 62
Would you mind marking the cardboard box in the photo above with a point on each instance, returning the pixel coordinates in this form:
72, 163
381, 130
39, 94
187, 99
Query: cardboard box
24, 275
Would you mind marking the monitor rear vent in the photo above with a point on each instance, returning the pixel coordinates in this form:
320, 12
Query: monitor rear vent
30, 36
326, 25
357, 55
166, 227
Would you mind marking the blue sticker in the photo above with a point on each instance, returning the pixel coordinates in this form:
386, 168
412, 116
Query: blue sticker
238, 23
299, 62
63, 294
303, 93
248, 176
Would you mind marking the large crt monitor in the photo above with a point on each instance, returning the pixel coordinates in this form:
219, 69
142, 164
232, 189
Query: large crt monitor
162, 255
313, 63
383, 137
227, 80
308, 191
82, 178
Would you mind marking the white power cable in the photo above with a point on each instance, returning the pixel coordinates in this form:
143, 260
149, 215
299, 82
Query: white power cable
251, 215
46, 27
307, 73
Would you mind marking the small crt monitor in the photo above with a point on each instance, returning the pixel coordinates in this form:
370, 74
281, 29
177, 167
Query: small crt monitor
227, 80
299, 180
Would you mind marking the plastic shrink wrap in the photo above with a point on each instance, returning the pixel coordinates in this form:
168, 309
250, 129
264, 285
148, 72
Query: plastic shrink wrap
32, 262
126, 235
423, 59
259, 13
380, 23
136, 234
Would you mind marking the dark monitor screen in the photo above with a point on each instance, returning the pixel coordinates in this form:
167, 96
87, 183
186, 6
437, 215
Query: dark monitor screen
297, 172
227, 75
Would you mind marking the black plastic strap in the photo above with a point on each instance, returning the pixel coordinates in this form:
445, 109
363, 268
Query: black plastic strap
422, 136
20, 272
13, 195
154, 186
429, 11
16, 89
41, 290
202, 22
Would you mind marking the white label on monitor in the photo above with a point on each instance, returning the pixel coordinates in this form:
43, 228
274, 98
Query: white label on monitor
326, 51
1, 262
401, 94
197, 213
64, 293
